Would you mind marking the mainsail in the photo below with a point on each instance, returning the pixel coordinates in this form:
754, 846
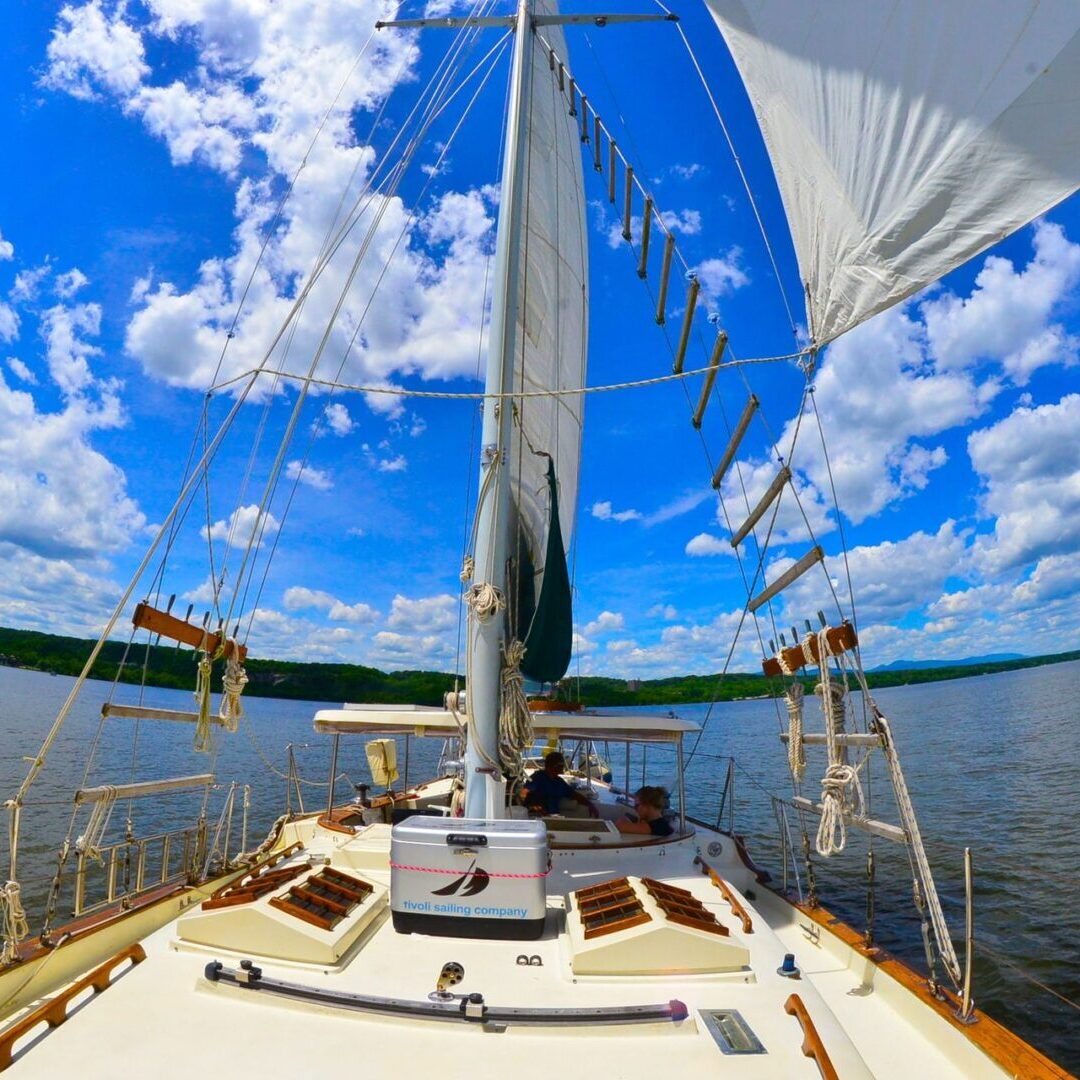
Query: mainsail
549, 350
898, 163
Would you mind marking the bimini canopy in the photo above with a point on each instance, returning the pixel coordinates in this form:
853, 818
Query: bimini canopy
907, 137
439, 723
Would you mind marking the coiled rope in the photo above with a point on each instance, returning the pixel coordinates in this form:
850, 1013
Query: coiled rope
796, 751
16, 925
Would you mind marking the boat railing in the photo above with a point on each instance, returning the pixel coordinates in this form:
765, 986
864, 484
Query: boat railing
123, 870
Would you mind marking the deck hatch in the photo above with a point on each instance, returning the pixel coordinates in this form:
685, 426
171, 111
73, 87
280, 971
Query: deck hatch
681, 906
608, 907
257, 882
731, 1032
324, 898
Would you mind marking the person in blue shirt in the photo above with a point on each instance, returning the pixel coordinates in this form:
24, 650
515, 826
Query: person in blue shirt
546, 792
649, 802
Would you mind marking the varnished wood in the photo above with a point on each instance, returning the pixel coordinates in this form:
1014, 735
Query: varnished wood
547, 705
841, 638
161, 622
736, 907
53, 1011
812, 1046
1015, 1056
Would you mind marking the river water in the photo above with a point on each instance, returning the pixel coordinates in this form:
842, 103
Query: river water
991, 762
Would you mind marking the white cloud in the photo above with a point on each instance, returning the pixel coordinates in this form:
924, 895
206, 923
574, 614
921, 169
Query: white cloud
66, 350
91, 51
411, 650
399, 463
58, 495
663, 611
603, 511
604, 623
1029, 463
337, 420
28, 283
21, 371
686, 502
424, 614
298, 598
7, 249
241, 526
707, 544
1008, 316
308, 474
722, 276
9, 323
68, 284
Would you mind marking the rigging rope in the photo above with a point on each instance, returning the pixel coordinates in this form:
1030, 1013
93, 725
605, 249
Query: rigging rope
796, 750
234, 679
16, 925
516, 733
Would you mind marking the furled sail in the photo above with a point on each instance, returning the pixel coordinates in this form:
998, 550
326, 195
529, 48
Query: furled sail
549, 354
907, 137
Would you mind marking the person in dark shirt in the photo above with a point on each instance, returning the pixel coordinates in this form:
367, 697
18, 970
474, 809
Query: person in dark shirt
649, 802
546, 791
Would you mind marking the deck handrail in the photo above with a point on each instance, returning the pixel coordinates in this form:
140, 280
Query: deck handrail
812, 1046
54, 1011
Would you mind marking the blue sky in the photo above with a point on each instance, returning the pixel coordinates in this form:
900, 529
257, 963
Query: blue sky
147, 146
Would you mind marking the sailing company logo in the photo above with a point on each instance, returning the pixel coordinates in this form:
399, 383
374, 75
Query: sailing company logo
470, 883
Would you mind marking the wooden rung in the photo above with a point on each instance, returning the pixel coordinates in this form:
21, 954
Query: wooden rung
646, 229
141, 712
161, 622
782, 477
628, 203
841, 638
584, 118
146, 787
710, 378
598, 161
611, 157
870, 825
736, 438
688, 317
309, 896
665, 274
819, 738
793, 573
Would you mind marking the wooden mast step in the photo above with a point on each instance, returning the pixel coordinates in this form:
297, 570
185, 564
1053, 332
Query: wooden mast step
793, 573
161, 622
143, 712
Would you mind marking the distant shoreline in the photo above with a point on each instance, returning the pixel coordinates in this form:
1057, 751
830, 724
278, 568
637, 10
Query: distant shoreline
167, 666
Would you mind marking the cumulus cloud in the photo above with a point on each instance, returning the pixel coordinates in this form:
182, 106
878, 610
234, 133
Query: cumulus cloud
1029, 464
707, 544
723, 275
604, 623
663, 611
308, 474
424, 614
7, 249
21, 371
92, 51
336, 420
298, 598
242, 525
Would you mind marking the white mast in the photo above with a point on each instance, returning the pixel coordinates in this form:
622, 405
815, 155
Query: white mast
483, 784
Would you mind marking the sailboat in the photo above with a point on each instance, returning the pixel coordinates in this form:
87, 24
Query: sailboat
458, 924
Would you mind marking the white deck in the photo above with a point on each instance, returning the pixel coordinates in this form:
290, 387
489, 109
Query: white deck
164, 1019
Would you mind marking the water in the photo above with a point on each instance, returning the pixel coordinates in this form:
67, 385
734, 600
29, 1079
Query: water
991, 762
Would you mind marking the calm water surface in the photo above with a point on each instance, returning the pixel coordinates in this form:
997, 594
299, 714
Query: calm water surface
991, 762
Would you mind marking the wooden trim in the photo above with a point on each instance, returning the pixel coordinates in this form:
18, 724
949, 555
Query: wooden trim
841, 638
161, 622
1008, 1050
736, 908
53, 1011
559, 845
546, 705
812, 1046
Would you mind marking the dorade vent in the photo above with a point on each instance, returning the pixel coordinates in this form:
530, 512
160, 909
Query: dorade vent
612, 906
324, 899
681, 906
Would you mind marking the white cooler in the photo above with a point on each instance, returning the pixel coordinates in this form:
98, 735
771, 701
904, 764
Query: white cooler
460, 877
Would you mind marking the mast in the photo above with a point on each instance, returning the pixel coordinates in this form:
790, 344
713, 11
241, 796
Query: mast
484, 785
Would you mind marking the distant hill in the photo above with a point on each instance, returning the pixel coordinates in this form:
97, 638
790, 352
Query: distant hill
923, 665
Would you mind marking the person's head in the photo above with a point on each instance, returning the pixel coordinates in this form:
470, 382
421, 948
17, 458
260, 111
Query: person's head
650, 802
554, 763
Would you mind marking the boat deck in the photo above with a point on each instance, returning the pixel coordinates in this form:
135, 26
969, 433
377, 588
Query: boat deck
165, 1018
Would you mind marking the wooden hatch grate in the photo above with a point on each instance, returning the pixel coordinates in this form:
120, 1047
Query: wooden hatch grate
682, 907
608, 907
257, 882
324, 899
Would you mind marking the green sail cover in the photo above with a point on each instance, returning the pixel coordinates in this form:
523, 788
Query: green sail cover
549, 616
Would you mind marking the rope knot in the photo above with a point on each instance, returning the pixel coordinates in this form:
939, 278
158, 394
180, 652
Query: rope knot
484, 600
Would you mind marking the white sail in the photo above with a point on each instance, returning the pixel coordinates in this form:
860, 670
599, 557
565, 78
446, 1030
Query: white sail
907, 137
550, 336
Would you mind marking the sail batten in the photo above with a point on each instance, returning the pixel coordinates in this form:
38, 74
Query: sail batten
907, 138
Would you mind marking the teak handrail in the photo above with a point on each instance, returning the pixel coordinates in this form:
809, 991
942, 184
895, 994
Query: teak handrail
53, 1011
812, 1046
733, 901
